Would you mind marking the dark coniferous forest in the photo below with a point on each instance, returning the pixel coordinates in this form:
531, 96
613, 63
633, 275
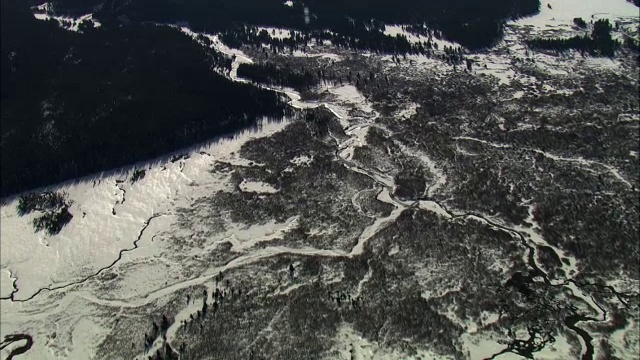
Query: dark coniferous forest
129, 90
270, 74
472, 23
77, 103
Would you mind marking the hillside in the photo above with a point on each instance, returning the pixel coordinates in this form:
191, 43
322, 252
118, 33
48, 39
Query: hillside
74, 103
469, 22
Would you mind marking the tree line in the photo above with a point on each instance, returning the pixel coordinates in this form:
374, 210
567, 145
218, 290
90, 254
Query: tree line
270, 74
365, 40
598, 43
469, 22
53, 209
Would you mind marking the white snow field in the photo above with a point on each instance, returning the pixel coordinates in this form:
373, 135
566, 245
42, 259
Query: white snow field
555, 22
395, 30
276, 32
562, 12
94, 237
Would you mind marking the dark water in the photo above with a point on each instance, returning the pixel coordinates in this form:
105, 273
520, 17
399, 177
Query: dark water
10, 339
571, 324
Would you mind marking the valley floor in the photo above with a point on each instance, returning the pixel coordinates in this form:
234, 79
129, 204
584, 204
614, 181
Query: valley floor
431, 213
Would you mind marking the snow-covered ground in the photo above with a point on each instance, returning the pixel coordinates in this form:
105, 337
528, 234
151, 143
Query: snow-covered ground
395, 30
112, 215
66, 22
94, 239
409, 111
276, 33
302, 160
352, 346
95, 236
480, 347
625, 340
371, 230
562, 12
500, 60
347, 98
6, 283
439, 177
119, 221
257, 186
323, 55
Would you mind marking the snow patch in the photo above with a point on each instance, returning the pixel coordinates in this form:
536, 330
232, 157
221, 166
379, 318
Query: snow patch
66, 22
481, 346
349, 95
371, 230
440, 178
276, 33
95, 236
245, 237
625, 341
359, 134
302, 160
558, 350
257, 187
350, 345
6, 283
408, 111
433, 207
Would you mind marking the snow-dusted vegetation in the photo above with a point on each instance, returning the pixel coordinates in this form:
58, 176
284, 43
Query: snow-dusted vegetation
451, 204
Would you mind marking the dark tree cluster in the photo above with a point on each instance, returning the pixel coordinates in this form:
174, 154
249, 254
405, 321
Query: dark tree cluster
469, 22
579, 22
42, 202
138, 174
77, 103
599, 43
160, 331
54, 209
271, 74
354, 36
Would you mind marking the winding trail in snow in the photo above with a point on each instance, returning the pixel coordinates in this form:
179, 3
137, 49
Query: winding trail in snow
78, 282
